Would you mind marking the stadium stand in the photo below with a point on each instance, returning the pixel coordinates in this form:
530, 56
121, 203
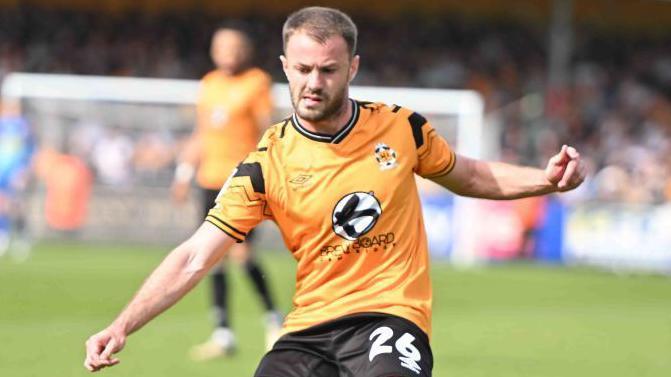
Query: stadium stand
621, 81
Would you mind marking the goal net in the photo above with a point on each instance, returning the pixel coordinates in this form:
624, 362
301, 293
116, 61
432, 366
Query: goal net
128, 131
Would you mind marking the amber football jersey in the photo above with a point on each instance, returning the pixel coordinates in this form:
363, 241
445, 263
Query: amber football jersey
229, 111
348, 209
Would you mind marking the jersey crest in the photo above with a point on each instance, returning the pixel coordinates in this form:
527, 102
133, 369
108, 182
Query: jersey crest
385, 156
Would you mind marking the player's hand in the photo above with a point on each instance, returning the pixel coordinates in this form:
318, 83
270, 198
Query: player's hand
100, 348
180, 192
565, 170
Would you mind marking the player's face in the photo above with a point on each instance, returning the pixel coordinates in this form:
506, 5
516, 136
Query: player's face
229, 50
319, 75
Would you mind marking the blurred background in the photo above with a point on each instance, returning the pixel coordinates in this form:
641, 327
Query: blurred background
586, 291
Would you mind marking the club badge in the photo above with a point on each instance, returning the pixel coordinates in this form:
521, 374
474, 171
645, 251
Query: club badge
385, 156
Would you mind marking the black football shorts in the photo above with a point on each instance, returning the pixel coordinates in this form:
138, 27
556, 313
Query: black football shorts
360, 345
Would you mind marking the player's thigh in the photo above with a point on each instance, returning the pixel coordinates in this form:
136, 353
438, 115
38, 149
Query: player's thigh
388, 347
295, 363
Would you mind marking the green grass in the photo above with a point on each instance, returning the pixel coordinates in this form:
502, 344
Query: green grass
506, 320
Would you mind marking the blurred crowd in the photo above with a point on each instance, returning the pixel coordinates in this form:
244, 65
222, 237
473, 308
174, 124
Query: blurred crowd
615, 107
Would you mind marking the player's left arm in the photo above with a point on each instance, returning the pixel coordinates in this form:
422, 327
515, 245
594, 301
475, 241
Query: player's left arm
497, 180
262, 107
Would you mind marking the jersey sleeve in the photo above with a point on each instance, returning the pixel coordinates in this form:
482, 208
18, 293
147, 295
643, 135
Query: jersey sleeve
241, 203
435, 157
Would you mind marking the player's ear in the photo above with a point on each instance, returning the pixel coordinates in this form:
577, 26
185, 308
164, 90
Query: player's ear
285, 65
353, 67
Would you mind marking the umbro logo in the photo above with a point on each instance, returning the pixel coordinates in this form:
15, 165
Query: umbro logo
300, 179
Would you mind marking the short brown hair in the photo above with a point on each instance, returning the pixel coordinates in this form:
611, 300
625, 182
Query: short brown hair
321, 23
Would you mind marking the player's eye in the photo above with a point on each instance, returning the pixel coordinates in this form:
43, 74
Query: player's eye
304, 69
328, 70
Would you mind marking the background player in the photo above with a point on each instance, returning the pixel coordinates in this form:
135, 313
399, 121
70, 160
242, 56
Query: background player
234, 107
17, 147
363, 300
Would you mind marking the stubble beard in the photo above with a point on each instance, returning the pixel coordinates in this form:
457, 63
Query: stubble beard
330, 107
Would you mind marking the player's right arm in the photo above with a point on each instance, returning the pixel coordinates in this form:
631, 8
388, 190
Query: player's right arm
240, 206
179, 272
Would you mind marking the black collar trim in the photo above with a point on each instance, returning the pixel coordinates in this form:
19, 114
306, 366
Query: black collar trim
334, 139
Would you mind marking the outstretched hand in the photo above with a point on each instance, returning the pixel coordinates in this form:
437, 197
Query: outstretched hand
565, 170
100, 348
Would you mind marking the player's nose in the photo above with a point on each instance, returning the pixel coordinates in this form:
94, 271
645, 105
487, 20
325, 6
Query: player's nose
315, 80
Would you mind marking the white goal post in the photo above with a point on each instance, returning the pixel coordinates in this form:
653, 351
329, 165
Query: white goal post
466, 105
465, 108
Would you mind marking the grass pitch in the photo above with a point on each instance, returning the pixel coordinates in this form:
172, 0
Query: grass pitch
505, 321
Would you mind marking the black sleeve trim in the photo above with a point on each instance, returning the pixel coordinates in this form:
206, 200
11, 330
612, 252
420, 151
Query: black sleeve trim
253, 171
416, 122
238, 240
228, 225
447, 169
